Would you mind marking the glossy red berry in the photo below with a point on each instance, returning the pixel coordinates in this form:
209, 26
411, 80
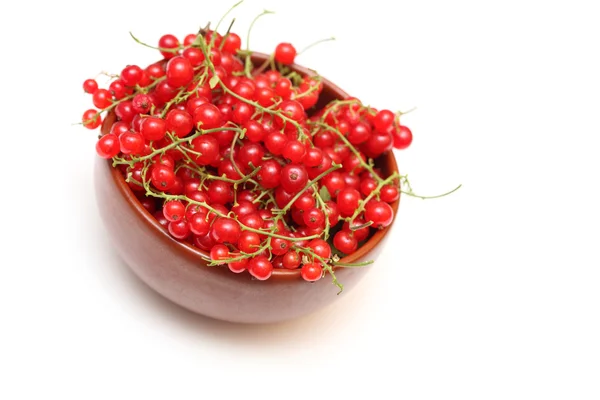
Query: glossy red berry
179, 229
321, 248
311, 272
90, 86
108, 146
260, 268
402, 137
91, 119
174, 210
102, 98
225, 230
293, 178
153, 128
383, 120
345, 242
180, 71
218, 253
285, 53
347, 201
380, 213
314, 218
168, 42
162, 177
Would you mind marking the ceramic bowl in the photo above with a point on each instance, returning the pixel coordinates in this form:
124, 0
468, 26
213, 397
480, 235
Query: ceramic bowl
180, 272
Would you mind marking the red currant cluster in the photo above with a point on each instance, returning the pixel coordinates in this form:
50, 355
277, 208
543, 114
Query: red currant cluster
235, 159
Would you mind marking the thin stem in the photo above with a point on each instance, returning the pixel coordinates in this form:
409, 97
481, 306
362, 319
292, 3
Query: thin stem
265, 12
410, 193
227, 34
225, 16
316, 43
166, 50
352, 265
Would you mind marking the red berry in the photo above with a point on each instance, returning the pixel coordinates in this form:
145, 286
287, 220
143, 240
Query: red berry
198, 224
174, 210
117, 89
238, 266
194, 56
219, 252
359, 234
250, 155
313, 157
153, 128
345, 242
294, 151
275, 142
285, 53
220, 192
269, 175
311, 272
249, 242
279, 246
383, 120
208, 147
314, 218
131, 143
380, 213
108, 146
332, 212
162, 178
179, 122
402, 137
168, 42
179, 72
208, 116
91, 119
102, 98
125, 112
347, 201
142, 103
179, 229
232, 43
389, 193
359, 133
293, 178
254, 131
305, 201
320, 248
90, 86
225, 230
291, 260
260, 268
131, 75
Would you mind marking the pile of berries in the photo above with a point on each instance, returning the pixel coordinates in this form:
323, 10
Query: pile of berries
234, 158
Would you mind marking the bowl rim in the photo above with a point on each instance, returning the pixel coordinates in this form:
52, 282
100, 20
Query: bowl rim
203, 256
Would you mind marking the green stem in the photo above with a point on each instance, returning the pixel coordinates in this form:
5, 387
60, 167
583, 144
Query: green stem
352, 265
410, 193
175, 50
316, 43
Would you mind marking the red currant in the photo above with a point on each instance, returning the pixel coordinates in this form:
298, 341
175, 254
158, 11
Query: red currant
285, 53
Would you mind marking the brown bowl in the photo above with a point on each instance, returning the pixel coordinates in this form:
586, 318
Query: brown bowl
180, 272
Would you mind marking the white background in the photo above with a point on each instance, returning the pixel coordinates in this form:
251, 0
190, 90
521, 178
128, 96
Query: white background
491, 293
